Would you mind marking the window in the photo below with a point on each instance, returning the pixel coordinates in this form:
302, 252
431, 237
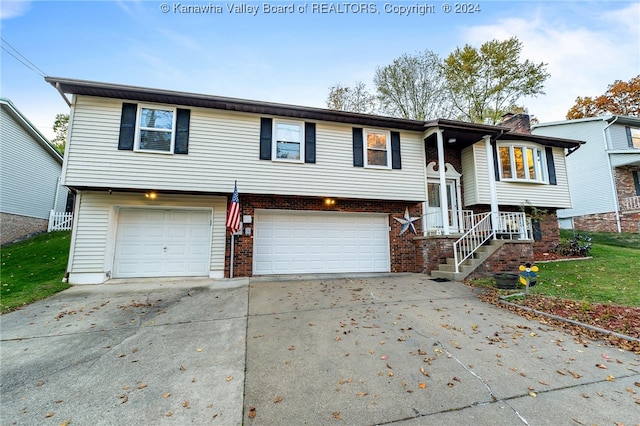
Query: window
289, 137
634, 135
155, 130
378, 152
522, 163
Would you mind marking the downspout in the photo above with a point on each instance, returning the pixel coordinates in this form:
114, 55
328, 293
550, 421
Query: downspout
493, 197
444, 204
616, 204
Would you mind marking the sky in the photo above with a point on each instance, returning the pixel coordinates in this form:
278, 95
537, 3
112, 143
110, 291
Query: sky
293, 51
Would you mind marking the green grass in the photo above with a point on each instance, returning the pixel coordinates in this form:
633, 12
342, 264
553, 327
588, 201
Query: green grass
33, 269
612, 276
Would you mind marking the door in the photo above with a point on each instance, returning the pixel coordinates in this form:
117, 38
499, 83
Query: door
162, 242
435, 206
290, 242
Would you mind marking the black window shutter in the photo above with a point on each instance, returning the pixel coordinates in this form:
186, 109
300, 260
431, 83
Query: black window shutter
551, 166
629, 140
358, 154
182, 131
636, 181
496, 164
309, 142
396, 161
127, 126
266, 126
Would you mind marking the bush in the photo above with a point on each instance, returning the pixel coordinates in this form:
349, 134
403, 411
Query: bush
579, 245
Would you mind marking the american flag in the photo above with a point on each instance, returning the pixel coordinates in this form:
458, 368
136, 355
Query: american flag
233, 214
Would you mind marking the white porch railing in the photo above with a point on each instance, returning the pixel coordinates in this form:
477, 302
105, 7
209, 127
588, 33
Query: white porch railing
460, 218
60, 221
507, 225
630, 203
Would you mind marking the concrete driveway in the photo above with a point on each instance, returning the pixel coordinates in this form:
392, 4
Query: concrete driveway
397, 349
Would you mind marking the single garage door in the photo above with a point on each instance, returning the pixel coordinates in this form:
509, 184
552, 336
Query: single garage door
291, 242
162, 242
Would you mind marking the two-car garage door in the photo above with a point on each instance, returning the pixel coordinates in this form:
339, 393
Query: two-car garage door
290, 242
162, 242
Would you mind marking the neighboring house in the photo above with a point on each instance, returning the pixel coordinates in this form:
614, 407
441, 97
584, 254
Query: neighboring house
321, 191
29, 180
604, 175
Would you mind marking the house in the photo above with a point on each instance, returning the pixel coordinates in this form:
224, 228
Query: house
320, 190
29, 178
604, 175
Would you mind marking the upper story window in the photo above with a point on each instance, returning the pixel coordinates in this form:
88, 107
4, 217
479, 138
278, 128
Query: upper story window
378, 148
634, 137
156, 129
289, 138
522, 163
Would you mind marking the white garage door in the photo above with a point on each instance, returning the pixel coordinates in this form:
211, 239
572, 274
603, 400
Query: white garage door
160, 243
287, 242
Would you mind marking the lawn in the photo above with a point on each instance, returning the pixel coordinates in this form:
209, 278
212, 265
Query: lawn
33, 269
611, 276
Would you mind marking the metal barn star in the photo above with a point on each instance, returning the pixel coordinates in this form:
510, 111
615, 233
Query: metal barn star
407, 222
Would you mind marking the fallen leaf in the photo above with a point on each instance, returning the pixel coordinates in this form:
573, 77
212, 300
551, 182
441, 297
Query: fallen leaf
166, 395
542, 382
383, 357
66, 423
560, 372
584, 395
182, 368
124, 398
605, 356
630, 390
636, 384
574, 374
252, 412
424, 372
169, 414
390, 374
293, 348
277, 399
422, 385
601, 366
198, 349
389, 367
185, 404
362, 393
450, 384
41, 383
49, 415
142, 385
610, 378
336, 415
533, 394
229, 378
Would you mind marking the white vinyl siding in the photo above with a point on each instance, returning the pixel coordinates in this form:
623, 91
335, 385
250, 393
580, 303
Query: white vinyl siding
223, 147
588, 168
511, 193
29, 174
618, 138
93, 239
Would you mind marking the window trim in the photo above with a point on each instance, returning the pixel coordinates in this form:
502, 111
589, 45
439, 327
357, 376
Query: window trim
139, 128
301, 142
539, 163
633, 138
365, 147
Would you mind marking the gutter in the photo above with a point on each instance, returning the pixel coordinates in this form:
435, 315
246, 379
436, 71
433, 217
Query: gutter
616, 205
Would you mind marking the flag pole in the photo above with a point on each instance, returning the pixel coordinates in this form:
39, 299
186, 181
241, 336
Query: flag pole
232, 255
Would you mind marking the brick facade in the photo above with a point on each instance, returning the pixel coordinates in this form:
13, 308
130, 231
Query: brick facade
433, 251
14, 227
402, 249
507, 258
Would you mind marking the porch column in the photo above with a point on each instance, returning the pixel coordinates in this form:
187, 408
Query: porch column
493, 197
444, 204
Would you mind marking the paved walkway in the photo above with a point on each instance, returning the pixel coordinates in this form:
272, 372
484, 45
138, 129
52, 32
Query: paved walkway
397, 349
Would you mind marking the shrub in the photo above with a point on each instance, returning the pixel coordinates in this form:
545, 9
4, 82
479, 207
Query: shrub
579, 245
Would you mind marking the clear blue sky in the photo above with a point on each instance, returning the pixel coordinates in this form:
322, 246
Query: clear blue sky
295, 57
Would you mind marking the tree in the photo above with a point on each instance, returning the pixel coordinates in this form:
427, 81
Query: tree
354, 99
413, 87
621, 98
60, 126
486, 83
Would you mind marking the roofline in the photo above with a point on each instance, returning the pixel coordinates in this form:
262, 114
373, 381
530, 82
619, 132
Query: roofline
145, 94
32, 130
622, 119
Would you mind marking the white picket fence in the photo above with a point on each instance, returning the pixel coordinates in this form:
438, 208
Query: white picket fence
60, 221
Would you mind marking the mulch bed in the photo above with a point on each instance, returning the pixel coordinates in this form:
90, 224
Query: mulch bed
620, 319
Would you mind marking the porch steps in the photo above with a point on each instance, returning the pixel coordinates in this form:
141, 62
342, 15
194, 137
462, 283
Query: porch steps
448, 270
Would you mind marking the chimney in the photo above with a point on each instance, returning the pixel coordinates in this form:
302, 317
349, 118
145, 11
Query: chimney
518, 123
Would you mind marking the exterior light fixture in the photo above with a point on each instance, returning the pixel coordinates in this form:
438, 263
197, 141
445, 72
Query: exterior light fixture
151, 195
329, 202
452, 140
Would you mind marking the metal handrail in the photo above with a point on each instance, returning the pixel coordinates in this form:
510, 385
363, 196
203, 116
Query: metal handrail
471, 240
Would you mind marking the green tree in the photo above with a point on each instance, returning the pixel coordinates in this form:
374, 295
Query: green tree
354, 99
621, 97
486, 83
60, 126
413, 87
